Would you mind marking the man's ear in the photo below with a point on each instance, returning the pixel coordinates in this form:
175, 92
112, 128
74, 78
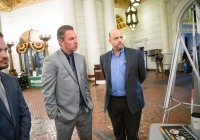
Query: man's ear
109, 40
60, 41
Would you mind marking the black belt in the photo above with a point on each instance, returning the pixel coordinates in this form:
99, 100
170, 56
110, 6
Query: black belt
117, 97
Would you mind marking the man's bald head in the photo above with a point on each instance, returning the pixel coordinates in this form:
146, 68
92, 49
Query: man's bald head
113, 31
116, 39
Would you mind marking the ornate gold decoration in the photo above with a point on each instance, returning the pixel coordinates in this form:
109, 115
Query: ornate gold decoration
121, 3
29, 42
29, 36
126, 3
120, 22
187, 19
22, 48
8, 5
38, 47
30, 39
5, 5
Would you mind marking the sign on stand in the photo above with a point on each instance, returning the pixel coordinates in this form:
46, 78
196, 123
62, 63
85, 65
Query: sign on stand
35, 82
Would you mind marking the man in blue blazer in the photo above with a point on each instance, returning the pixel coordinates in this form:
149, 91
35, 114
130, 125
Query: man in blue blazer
15, 120
124, 71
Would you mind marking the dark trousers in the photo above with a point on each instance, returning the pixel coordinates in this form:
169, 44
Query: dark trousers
125, 124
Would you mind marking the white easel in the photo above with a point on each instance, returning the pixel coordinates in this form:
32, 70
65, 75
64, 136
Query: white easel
173, 69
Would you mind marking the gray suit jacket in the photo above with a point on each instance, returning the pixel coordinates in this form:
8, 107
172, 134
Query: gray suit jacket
135, 74
60, 87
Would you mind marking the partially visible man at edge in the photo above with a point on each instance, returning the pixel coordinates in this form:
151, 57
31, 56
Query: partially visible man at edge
15, 118
124, 71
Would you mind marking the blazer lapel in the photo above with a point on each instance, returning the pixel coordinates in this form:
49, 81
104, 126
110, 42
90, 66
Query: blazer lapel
77, 65
128, 64
66, 63
108, 64
4, 110
5, 83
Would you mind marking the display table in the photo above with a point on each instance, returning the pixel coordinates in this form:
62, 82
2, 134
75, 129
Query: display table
35, 82
155, 134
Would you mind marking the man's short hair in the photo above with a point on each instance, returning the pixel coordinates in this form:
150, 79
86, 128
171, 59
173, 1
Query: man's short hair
61, 31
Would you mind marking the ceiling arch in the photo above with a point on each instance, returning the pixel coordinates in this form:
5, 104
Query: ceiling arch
8, 5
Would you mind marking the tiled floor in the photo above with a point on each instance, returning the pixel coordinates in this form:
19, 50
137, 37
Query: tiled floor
44, 129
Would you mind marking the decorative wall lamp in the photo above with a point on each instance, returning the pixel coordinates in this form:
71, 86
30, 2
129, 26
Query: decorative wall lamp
135, 2
131, 17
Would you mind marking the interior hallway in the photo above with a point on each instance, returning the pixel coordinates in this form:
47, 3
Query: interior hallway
154, 92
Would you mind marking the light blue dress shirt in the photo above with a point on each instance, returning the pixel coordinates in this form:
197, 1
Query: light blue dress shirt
118, 68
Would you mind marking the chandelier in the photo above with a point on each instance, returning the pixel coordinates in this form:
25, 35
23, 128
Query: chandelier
131, 17
135, 2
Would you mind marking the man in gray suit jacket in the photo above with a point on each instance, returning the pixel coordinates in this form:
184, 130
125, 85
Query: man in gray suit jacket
124, 71
66, 89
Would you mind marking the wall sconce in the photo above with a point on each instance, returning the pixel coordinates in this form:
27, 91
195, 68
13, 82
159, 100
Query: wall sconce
135, 2
131, 17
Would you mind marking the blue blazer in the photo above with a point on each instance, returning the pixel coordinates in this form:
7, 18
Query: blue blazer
135, 74
17, 125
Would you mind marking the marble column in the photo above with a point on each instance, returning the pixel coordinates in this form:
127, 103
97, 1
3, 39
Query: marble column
164, 25
91, 34
68, 12
109, 20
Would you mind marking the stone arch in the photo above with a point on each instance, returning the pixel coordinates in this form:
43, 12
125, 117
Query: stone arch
177, 15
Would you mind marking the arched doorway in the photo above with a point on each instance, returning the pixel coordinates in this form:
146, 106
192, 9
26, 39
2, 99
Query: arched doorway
182, 21
179, 10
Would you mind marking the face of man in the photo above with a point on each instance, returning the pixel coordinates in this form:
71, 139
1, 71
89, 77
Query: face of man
69, 44
3, 54
116, 39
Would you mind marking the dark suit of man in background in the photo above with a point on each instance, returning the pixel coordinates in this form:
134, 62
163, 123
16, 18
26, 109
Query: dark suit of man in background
124, 71
15, 120
66, 89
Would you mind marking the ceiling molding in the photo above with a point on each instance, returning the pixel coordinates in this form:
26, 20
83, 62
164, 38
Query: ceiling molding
122, 3
8, 5
5, 5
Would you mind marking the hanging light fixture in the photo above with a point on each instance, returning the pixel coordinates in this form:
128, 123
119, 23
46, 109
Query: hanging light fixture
135, 2
131, 17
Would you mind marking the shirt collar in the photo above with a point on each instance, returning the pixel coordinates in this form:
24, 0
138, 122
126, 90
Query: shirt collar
71, 55
121, 51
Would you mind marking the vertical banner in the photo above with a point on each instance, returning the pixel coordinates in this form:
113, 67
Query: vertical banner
198, 18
